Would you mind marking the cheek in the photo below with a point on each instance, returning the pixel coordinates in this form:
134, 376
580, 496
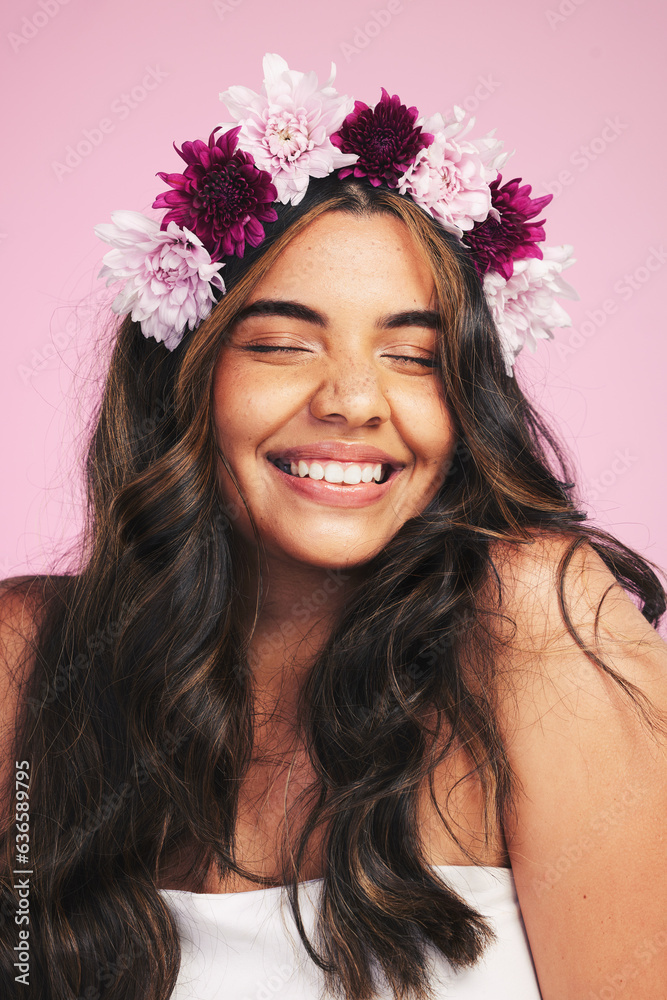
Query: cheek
250, 404
241, 408
427, 427
232, 412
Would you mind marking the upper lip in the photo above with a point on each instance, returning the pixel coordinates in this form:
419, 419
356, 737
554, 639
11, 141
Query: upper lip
335, 451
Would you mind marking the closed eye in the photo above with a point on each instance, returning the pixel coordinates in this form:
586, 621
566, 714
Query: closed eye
425, 362
269, 347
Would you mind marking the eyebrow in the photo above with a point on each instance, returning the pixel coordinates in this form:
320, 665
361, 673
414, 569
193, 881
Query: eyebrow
296, 310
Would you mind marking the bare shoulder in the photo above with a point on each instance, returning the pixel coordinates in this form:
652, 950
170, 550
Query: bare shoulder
21, 599
557, 585
19, 604
529, 575
586, 833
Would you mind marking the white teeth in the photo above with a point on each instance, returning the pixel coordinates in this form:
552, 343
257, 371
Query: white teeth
334, 472
352, 475
338, 472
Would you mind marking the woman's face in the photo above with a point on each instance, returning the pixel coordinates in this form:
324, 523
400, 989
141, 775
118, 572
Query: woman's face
328, 376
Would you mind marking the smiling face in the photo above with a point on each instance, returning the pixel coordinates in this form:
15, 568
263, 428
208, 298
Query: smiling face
326, 377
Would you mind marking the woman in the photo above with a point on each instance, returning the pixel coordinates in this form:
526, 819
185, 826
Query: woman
338, 626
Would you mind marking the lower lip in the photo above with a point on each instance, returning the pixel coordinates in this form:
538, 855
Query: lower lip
335, 495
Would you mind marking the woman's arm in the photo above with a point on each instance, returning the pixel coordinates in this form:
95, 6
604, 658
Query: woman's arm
588, 841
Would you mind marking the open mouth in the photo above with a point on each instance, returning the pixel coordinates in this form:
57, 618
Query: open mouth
336, 473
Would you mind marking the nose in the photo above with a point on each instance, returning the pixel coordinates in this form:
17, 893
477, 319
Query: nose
351, 392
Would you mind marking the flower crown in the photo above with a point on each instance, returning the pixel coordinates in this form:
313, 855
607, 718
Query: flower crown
295, 130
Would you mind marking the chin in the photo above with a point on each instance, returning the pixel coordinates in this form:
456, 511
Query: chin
343, 556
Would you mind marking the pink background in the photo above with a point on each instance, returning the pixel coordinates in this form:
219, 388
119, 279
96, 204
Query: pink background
549, 75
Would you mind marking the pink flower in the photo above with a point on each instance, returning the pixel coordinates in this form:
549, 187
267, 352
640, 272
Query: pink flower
450, 178
169, 277
287, 127
524, 308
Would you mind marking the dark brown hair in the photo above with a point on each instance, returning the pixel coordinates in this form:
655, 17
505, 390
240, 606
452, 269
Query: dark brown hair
138, 715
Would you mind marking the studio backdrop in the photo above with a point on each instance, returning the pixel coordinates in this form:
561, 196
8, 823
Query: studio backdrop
95, 94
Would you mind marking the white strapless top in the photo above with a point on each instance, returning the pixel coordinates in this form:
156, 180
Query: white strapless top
245, 945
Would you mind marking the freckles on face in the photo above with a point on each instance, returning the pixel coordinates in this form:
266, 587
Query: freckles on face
335, 365
427, 427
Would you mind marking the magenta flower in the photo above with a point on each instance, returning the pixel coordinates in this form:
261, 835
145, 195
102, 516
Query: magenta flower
222, 196
495, 245
384, 138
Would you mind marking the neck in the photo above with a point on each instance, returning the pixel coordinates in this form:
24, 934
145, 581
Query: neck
298, 607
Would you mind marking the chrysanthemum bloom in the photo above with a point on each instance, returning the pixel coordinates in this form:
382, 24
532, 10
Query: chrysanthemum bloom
169, 276
496, 245
384, 138
222, 196
287, 128
450, 179
524, 308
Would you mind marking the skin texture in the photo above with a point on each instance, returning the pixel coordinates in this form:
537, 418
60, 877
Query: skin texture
349, 381
587, 845
586, 842
341, 384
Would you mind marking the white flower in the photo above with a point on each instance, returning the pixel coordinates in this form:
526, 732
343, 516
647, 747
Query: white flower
450, 178
287, 127
524, 309
168, 274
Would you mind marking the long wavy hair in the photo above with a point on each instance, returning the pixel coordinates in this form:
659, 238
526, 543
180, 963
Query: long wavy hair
137, 712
